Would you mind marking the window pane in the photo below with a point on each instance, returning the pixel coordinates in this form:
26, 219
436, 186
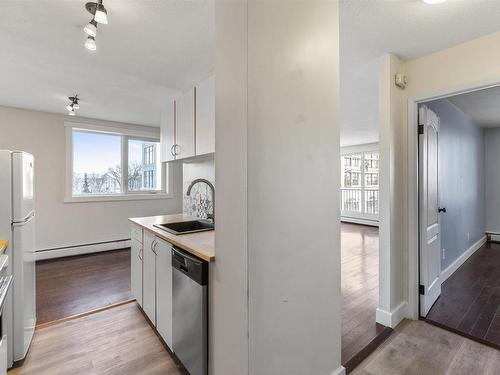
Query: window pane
371, 170
144, 165
96, 163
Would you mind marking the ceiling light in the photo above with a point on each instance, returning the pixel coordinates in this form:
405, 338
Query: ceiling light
101, 14
90, 43
73, 106
432, 2
91, 28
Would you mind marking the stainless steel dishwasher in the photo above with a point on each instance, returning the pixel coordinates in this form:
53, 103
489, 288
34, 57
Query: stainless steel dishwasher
189, 311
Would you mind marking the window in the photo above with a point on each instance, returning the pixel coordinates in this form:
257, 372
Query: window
360, 184
144, 167
96, 160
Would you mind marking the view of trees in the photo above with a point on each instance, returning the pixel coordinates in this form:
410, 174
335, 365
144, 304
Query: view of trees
109, 182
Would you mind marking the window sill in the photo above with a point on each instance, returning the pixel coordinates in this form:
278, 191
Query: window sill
118, 197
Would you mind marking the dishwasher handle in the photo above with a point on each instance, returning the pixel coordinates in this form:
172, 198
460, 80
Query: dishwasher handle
191, 266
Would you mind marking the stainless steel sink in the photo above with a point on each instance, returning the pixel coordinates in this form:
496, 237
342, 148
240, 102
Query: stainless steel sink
185, 227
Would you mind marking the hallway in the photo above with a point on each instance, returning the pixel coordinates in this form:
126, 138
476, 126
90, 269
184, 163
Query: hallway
359, 293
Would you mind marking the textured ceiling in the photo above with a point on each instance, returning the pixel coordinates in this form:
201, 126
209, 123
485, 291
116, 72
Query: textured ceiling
149, 51
482, 106
408, 28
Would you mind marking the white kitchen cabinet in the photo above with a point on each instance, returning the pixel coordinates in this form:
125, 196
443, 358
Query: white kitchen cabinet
164, 290
136, 270
205, 117
167, 132
149, 277
185, 126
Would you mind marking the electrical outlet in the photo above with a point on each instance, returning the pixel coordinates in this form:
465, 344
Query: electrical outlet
444, 253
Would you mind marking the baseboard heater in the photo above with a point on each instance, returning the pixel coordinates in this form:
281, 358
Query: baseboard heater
492, 236
96, 247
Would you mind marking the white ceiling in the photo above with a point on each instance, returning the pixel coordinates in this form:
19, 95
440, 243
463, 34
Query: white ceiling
482, 106
408, 28
150, 50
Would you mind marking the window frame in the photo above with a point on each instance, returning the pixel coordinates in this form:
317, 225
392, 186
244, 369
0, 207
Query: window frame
126, 134
361, 150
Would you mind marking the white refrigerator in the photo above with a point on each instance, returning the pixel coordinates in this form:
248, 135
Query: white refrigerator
17, 225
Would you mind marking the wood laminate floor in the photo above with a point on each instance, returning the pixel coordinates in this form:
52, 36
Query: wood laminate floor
116, 341
74, 285
423, 349
359, 270
470, 297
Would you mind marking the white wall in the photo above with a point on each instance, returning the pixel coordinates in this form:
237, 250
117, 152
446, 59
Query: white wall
492, 156
274, 150
62, 224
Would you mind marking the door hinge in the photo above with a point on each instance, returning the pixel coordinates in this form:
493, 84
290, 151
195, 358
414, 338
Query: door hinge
421, 290
420, 129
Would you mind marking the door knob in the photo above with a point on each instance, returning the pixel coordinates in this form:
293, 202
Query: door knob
442, 209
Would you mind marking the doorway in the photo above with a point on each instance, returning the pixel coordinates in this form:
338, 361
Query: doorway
459, 211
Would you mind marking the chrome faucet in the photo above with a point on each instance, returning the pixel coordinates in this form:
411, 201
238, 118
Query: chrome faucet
212, 188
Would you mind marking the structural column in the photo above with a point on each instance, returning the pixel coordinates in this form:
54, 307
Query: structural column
276, 278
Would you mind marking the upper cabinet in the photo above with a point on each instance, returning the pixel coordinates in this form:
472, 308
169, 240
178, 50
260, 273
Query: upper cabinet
185, 125
188, 124
205, 117
167, 129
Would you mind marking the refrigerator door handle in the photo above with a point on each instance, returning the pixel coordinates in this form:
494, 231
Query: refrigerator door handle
24, 220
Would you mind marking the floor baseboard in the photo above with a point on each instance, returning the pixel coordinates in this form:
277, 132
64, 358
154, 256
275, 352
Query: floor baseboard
392, 318
81, 249
448, 271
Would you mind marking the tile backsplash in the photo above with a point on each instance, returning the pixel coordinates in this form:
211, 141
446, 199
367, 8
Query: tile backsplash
200, 202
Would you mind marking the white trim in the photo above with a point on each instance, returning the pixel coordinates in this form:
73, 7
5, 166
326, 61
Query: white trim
356, 220
495, 237
412, 186
393, 318
448, 271
116, 128
354, 149
339, 371
83, 249
117, 197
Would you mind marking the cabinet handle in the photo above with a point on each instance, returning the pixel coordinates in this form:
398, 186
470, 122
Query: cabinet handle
175, 150
140, 254
172, 150
153, 247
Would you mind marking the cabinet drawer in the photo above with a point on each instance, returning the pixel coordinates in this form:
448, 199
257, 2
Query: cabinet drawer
136, 233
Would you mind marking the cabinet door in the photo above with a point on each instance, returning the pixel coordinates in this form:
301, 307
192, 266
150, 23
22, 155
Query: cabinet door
164, 291
136, 271
205, 117
185, 126
149, 277
167, 132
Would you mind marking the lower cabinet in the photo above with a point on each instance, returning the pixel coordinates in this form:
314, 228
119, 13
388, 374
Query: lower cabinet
157, 284
149, 277
136, 271
164, 290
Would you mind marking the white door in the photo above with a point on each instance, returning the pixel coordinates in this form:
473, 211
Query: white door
205, 117
149, 277
185, 126
164, 291
136, 270
167, 132
430, 236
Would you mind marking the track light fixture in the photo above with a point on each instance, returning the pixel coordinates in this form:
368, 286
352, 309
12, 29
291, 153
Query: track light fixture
91, 28
73, 106
100, 15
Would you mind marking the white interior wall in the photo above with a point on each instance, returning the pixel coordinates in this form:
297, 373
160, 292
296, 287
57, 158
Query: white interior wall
276, 280
62, 224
